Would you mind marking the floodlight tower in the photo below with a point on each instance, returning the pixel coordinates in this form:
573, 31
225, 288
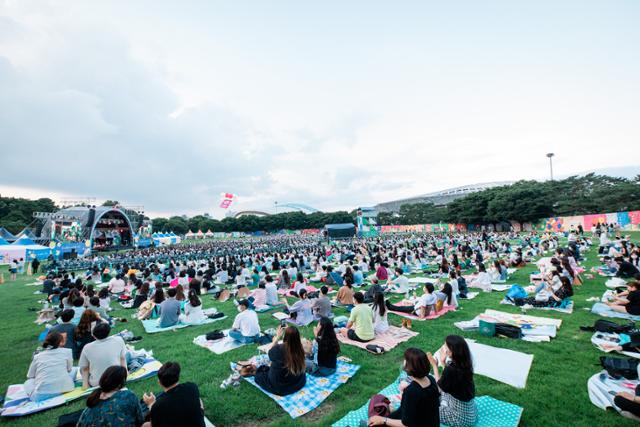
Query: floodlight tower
550, 156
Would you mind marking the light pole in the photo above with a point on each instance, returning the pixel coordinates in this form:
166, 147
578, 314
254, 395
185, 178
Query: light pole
550, 156
276, 205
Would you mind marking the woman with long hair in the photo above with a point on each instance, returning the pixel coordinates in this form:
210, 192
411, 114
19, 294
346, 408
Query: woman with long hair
380, 321
193, 309
420, 402
325, 349
82, 334
110, 405
286, 375
457, 405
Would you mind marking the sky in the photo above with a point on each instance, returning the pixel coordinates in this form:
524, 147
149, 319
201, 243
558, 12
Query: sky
332, 104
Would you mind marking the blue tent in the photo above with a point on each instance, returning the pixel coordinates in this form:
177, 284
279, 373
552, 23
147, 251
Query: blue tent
5, 234
3, 242
24, 241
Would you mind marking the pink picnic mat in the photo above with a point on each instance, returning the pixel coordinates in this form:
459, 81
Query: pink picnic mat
444, 310
387, 340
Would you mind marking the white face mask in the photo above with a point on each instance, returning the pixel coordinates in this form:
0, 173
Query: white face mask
239, 309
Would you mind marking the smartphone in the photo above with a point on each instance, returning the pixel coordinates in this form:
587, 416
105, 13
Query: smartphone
283, 323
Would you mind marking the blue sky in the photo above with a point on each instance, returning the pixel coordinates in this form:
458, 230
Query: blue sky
332, 104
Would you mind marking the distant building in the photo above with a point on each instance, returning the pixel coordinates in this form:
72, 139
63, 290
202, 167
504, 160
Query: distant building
439, 198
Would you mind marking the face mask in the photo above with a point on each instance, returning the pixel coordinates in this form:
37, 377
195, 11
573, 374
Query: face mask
239, 309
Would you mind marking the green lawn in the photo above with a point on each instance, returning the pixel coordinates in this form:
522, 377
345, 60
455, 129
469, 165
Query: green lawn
556, 392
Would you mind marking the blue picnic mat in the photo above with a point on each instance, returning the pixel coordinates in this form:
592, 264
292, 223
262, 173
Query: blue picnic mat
151, 325
491, 412
316, 390
606, 311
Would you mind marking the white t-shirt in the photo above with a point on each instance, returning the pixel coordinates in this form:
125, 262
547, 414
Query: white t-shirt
193, 314
380, 323
426, 300
401, 283
101, 354
272, 293
50, 371
247, 323
116, 286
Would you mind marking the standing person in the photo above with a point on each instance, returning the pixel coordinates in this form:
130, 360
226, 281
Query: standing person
246, 328
457, 404
420, 402
13, 269
286, 374
51, 371
100, 354
109, 405
169, 310
35, 264
178, 405
360, 324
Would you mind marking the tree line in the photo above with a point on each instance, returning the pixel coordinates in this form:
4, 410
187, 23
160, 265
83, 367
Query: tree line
523, 201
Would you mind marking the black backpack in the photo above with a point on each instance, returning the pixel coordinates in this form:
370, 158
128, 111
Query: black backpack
618, 368
609, 327
215, 335
509, 331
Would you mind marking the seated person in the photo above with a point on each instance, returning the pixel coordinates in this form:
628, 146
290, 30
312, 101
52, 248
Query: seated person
626, 269
193, 312
94, 304
83, 333
100, 354
358, 277
333, 278
325, 350
482, 279
66, 328
548, 297
258, 297
141, 295
246, 328
446, 294
420, 404
117, 285
630, 303
379, 308
360, 324
110, 405
299, 284
178, 405
51, 371
78, 309
374, 289
300, 312
271, 290
399, 285
321, 306
286, 373
457, 404
345, 294
423, 306
169, 310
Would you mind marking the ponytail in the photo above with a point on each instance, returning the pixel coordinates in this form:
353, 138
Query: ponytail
94, 397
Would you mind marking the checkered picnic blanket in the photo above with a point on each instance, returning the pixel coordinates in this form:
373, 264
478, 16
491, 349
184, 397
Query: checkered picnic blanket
316, 390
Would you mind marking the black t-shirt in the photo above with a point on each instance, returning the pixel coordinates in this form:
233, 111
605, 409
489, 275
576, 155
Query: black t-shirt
179, 406
634, 303
327, 358
626, 269
453, 381
420, 407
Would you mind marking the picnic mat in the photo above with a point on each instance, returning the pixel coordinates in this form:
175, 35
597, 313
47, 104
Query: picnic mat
605, 311
507, 366
566, 310
500, 288
444, 310
218, 346
151, 325
535, 329
601, 385
491, 412
470, 295
601, 339
263, 308
422, 280
387, 340
316, 390
17, 403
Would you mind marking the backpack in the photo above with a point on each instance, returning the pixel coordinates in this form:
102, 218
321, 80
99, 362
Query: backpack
509, 331
516, 291
215, 335
609, 327
379, 405
620, 368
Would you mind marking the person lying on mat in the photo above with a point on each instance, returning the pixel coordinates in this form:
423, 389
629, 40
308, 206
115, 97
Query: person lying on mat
321, 306
324, 351
286, 374
51, 371
399, 285
110, 405
98, 355
246, 328
419, 406
423, 306
360, 324
170, 309
547, 297
630, 303
179, 404
300, 312
380, 321
457, 404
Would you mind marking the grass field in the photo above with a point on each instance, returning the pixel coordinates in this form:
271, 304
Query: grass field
556, 392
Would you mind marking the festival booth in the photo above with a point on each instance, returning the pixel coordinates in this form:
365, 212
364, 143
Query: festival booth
340, 231
190, 235
208, 234
164, 239
24, 248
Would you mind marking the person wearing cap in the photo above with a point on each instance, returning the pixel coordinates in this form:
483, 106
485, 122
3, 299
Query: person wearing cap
246, 328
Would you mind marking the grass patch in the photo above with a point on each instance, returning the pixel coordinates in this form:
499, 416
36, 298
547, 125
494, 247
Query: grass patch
556, 392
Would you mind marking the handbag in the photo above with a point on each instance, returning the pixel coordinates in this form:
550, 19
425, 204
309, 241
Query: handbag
379, 405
